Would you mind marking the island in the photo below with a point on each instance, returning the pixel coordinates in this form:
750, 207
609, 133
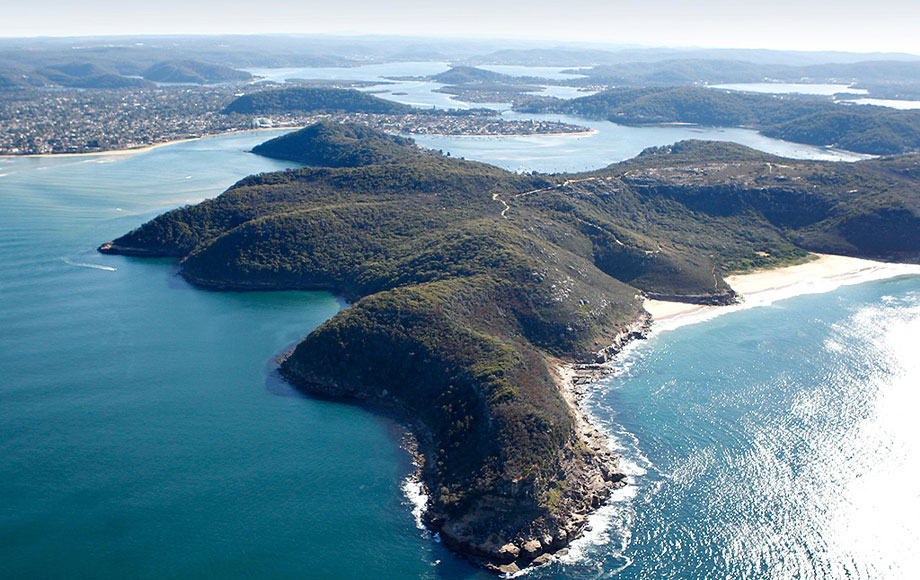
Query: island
477, 293
476, 85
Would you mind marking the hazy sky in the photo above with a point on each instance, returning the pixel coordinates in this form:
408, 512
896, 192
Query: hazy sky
865, 25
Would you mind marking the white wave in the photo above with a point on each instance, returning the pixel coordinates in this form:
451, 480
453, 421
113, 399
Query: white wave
86, 265
414, 491
611, 525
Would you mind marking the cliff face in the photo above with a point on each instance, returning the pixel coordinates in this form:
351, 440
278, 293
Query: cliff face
505, 464
471, 282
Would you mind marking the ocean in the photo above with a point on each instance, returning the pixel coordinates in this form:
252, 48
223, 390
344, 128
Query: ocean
145, 433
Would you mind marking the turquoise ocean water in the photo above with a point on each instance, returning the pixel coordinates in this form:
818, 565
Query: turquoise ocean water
145, 435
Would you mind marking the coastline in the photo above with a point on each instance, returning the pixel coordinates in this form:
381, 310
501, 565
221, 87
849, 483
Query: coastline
757, 288
515, 511
145, 148
574, 381
763, 287
587, 133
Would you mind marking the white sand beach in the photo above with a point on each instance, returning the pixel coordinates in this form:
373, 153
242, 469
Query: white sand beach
763, 287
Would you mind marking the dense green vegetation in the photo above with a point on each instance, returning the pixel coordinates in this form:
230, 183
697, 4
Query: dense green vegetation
860, 128
193, 71
466, 75
313, 100
467, 278
90, 74
324, 145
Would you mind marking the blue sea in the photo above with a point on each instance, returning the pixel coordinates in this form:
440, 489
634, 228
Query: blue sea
145, 433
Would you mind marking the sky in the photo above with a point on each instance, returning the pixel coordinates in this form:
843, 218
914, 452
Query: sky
863, 26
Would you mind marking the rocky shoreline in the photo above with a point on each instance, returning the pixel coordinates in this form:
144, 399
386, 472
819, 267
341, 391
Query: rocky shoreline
600, 475
483, 535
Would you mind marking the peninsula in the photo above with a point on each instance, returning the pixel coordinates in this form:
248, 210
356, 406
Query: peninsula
474, 289
800, 119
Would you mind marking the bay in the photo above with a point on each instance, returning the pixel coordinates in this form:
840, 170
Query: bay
825, 89
145, 434
891, 103
607, 142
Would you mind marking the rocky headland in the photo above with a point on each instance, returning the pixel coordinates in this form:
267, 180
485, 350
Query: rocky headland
485, 300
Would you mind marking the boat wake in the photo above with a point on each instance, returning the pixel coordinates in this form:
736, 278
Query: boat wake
87, 265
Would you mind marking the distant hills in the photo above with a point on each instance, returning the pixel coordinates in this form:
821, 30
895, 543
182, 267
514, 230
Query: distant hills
468, 75
80, 75
89, 76
313, 100
92, 75
566, 56
188, 59
811, 120
194, 72
682, 71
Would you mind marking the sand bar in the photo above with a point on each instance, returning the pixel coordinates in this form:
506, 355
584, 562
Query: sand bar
142, 149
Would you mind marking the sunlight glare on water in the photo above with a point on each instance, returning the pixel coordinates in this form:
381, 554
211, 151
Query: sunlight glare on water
780, 443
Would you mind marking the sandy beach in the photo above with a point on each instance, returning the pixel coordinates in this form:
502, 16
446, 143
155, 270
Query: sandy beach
131, 151
762, 287
135, 150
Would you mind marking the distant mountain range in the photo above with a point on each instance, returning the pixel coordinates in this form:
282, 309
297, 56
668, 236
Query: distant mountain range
91, 75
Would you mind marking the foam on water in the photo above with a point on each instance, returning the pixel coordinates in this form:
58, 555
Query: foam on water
802, 468
814, 474
815, 482
414, 491
610, 527
87, 265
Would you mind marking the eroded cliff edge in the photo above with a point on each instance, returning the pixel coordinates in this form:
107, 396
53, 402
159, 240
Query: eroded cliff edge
471, 284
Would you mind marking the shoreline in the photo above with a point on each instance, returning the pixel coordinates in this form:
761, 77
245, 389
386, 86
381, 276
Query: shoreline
587, 133
574, 381
763, 287
145, 148
758, 288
